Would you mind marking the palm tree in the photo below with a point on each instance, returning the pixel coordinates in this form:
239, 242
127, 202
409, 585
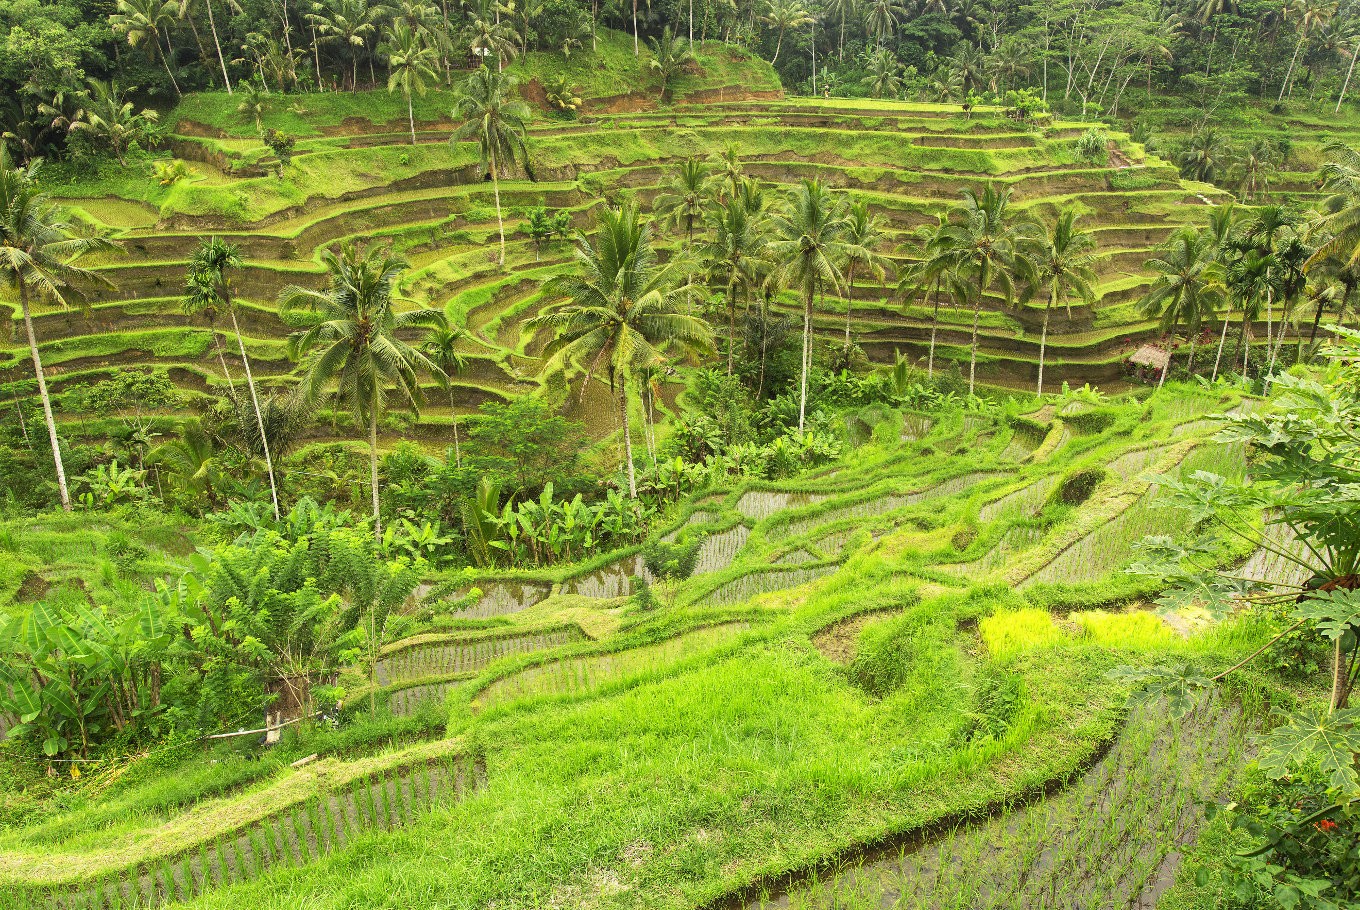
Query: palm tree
983, 241
669, 59
1181, 292
254, 100
733, 258
728, 176
38, 252
1063, 260
201, 299
810, 244
142, 22
186, 11
864, 235
111, 120
441, 346
497, 123
354, 342
349, 23
934, 263
783, 15
1339, 213
1249, 278
682, 202
1205, 156
621, 311
1311, 14
1256, 169
210, 270
844, 9
411, 66
882, 18
193, 458
885, 74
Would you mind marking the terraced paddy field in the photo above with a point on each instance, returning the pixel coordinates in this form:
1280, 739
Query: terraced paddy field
920, 706
356, 178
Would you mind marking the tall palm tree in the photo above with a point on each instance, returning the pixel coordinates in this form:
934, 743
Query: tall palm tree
1311, 14
982, 239
782, 15
38, 254
497, 123
1250, 277
1181, 292
201, 299
147, 22
1206, 156
864, 236
411, 66
622, 310
728, 173
882, 18
441, 346
210, 271
732, 258
1339, 214
810, 244
349, 23
884, 75
193, 457
844, 9
934, 262
669, 59
353, 344
682, 202
186, 11
1063, 258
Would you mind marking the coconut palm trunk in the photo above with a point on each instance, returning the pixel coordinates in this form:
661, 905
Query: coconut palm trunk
627, 439
496, 191
849, 300
731, 321
1222, 339
259, 417
165, 61
934, 327
411, 116
973, 345
212, 26
1043, 341
46, 398
807, 350
373, 469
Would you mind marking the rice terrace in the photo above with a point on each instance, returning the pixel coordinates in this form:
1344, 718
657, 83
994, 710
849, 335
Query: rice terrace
528, 454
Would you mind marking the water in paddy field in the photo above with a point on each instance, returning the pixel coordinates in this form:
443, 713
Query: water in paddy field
718, 550
915, 427
697, 518
610, 580
1024, 502
502, 597
1112, 839
762, 504
748, 586
447, 658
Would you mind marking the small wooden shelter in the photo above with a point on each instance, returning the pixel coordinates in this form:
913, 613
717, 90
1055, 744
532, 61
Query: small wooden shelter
1149, 363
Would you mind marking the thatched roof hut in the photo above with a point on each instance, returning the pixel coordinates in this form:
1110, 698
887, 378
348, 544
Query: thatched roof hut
1150, 356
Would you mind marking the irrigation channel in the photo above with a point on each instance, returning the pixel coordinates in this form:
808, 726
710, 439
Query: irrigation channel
1112, 838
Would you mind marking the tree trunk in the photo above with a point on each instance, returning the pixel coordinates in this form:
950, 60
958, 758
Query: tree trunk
779, 43
221, 358
373, 469
1043, 345
259, 418
934, 325
1190, 363
807, 350
1166, 366
46, 399
849, 299
165, 61
212, 26
635, 30
627, 438
411, 116
972, 357
731, 321
1222, 339
1298, 47
1347, 84
496, 189
457, 455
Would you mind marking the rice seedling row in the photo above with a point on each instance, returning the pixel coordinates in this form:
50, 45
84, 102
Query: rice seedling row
609, 581
1112, 839
296, 836
1023, 503
753, 583
500, 598
580, 675
444, 659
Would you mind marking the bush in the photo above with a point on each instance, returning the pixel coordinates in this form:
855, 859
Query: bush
1077, 488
